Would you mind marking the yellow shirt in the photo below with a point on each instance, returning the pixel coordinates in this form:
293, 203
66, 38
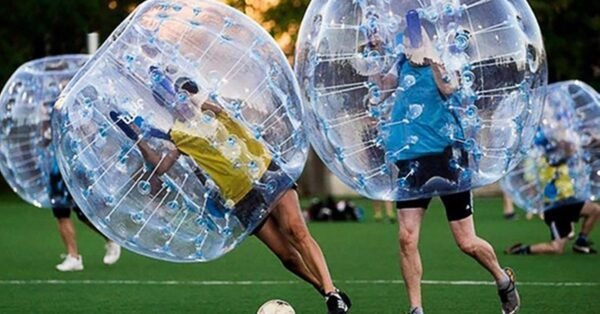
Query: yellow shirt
225, 150
560, 175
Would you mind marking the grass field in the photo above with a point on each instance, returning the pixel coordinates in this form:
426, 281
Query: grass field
363, 258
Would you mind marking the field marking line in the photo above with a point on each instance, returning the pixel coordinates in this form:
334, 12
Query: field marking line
281, 282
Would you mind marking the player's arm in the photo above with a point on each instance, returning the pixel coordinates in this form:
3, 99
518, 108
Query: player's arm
207, 105
387, 82
164, 161
446, 87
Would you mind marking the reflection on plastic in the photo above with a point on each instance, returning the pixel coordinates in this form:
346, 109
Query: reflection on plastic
182, 131
26, 151
564, 163
453, 86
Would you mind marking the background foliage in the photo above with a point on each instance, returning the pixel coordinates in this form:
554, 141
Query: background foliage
32, 29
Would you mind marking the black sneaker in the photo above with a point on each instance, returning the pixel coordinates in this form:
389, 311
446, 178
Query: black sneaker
336, 304
583, 247
119, 120
511, 216
345, 297
517, 249
509, 296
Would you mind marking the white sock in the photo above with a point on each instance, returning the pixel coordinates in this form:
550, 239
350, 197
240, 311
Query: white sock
416, 310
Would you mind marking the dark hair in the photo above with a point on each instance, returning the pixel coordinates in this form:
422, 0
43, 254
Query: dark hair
186, 84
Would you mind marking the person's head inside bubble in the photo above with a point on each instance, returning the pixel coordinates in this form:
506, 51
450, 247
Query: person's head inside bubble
183, 98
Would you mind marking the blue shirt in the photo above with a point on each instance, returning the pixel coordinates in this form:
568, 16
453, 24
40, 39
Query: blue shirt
420, 122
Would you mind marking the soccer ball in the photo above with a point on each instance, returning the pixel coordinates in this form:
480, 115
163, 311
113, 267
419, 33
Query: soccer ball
276, 307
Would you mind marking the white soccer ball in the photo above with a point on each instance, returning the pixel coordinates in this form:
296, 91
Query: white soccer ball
276, 307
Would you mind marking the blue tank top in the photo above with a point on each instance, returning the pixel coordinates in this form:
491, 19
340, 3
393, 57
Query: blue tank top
420, 122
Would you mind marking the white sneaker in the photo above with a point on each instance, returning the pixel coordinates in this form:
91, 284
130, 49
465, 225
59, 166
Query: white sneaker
71, 264
113, 252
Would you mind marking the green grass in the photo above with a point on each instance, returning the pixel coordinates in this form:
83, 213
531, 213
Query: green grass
30, 247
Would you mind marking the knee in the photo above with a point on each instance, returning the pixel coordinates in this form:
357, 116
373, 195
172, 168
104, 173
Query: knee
408, 241
596, 211
298, 233
468, 246
558, 248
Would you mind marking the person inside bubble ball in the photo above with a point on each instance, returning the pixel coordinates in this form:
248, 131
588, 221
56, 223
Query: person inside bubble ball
562, 208
284, 230
59, 195
420, 136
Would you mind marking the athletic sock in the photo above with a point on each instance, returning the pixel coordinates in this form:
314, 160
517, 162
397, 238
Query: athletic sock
321, 291
524, 250
503, 283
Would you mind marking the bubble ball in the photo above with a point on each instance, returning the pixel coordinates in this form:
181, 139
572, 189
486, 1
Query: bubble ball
563, 166
26, 151
411, 99
182, 131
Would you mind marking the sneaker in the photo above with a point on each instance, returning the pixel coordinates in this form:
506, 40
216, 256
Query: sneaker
113, 252
336, 304
511, 216
344, 297
130, 132
71, 264
583, 247
509, 295
517, 249
416, 310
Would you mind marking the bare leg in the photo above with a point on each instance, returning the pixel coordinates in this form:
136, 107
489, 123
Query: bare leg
508, 209
389, 209
67, 234
591, 214
271, 236
409, 222
377, 210
464, 235
291, 222
554, 247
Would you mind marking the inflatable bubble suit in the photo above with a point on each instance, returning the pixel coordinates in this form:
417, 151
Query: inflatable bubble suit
563, 165
410, 99
182, 131
26, 104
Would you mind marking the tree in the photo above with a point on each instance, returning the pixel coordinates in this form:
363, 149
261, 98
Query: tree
36, 28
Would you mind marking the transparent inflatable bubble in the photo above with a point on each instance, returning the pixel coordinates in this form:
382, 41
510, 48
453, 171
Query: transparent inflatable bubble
563, 166
26, 151
410, 99
182, 131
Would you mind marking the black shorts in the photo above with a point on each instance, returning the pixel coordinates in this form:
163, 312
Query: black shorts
437, 165
65, 212
560, 219
58, 194
458, 206
246, 210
